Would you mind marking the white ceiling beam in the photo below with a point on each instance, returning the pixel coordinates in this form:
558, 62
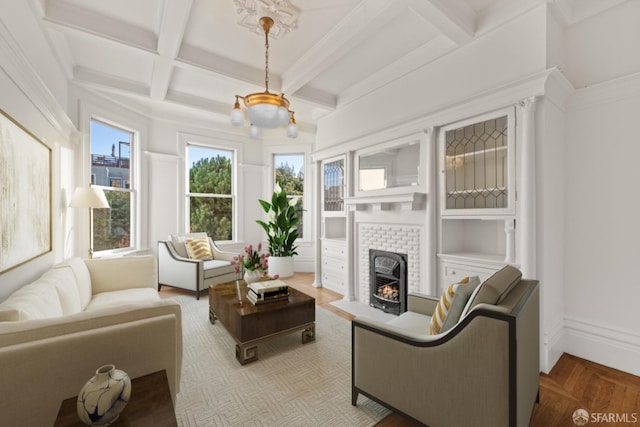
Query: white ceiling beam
175, 16
67, 15
82, 75
203, 60
361, 23
456, 20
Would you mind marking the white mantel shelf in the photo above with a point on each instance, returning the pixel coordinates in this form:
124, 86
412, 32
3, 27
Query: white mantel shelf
414, 201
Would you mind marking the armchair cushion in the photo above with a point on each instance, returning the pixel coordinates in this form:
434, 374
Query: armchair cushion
198, 249
449, 308
495, 288
178, 242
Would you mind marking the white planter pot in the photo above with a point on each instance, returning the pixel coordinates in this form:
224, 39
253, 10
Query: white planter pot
251, 276
281, 265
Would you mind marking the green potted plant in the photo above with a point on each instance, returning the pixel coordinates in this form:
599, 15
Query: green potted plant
282, 231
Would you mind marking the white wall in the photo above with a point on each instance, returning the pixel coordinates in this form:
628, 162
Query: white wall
500, 57
31, 103
602, 288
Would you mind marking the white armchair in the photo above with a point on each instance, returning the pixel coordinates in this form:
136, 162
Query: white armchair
176, 269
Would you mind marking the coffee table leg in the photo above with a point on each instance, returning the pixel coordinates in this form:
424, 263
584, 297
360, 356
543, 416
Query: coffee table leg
309, 334
246, 354
212, 317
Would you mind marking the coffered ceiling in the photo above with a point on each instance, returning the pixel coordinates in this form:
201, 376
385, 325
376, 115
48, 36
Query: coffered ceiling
193, 56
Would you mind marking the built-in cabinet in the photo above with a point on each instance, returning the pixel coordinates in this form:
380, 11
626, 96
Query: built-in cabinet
477, 196
333, 246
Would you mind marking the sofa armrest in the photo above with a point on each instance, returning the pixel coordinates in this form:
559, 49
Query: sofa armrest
114, 274
423, 304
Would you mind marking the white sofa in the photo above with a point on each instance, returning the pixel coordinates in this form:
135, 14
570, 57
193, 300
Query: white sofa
176, 269
78, 316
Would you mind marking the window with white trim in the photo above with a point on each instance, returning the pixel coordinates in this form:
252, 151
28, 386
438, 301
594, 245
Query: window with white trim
210, 191
289, 174
112, 170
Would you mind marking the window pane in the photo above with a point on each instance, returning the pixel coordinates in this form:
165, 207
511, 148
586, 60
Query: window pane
209, 170
112, 227
210, 174
212, 215
110, 155
289, 169
289, 174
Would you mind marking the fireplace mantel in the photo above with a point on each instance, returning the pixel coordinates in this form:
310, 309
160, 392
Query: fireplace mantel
413, 201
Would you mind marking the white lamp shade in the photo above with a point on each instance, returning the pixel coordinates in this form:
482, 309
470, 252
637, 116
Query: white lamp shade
283, 116
254, 131
292, 130
237, 117
264, 116
89, 198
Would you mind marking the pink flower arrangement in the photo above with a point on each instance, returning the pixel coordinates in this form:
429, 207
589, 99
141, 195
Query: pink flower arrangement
252, 259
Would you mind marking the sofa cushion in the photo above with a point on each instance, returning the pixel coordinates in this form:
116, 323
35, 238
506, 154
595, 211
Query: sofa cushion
495, 288
126, 296
83, 279
65, 284
451, 303
38, 300
198, 249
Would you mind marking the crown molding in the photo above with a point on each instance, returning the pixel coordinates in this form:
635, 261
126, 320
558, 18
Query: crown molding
22, 73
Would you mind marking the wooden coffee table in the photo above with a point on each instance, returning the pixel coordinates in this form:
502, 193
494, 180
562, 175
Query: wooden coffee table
251, 324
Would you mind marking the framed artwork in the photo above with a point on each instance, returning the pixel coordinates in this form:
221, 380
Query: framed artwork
25, 195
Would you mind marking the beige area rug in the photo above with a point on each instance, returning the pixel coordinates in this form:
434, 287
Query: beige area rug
291, 384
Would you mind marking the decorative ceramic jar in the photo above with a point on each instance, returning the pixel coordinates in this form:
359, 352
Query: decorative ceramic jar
104, 396
251, 276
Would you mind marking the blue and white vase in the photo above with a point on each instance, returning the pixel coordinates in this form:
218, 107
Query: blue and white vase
104, 396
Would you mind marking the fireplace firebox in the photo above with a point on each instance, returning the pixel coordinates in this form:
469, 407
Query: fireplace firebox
388, 281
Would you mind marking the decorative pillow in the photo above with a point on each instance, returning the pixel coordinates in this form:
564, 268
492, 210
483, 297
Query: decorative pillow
452, 301
198, 249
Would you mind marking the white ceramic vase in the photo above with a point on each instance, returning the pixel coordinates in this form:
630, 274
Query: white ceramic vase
104, 396
281, 265
251, 276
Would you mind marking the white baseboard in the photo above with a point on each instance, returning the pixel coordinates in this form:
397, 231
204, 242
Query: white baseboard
303, 264
613, 347
551, 346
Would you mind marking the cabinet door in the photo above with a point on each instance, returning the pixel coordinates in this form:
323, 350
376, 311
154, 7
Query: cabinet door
477, 164
333, 185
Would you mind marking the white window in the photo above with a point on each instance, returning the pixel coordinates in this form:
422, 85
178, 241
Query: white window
111, 166
289, 174
210, 191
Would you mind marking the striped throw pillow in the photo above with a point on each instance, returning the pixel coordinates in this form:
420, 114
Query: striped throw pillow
444, 306
198, 249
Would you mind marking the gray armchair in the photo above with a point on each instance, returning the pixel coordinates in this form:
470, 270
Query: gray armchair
482, 372
176, 269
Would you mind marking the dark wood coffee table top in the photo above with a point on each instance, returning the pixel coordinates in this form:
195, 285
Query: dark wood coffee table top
248, 323
150, 405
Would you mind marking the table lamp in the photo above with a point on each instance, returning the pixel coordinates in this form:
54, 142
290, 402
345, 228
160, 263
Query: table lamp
92, 198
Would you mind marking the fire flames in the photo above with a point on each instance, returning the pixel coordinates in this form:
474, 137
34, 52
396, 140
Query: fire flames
388, 292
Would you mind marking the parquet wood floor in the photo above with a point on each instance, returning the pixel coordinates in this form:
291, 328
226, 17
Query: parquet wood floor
573, 383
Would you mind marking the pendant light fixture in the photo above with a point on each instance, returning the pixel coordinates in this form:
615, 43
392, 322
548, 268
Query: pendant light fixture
265, 110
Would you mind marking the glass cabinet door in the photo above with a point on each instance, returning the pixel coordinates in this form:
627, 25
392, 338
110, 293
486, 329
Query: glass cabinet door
478, 166
333, 185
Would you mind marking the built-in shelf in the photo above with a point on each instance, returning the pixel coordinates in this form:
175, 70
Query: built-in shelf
497, 260
415, 201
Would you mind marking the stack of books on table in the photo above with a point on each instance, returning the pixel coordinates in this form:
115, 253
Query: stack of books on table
267, 291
